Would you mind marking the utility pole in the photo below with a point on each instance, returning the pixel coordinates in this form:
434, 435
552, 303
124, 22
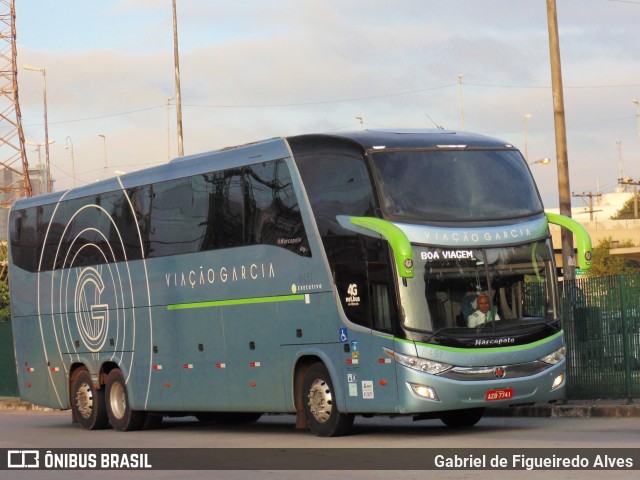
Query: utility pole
590, 196
177, 68
568, 261
628, 181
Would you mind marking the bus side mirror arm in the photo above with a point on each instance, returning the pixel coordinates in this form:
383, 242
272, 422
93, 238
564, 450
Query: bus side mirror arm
582, 237
376, 227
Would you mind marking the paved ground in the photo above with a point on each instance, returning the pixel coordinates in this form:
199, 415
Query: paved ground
572, 408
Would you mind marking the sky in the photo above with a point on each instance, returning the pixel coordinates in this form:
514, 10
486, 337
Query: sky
255, 69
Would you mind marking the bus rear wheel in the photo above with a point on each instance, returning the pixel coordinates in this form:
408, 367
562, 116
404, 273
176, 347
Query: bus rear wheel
87, 401
320, 409
462, 418
119, 410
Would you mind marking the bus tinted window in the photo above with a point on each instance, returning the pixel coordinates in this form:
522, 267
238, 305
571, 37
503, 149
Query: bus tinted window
455, 185
23, 238
172, 219
232, 208
337, 183
273, 215
49, 233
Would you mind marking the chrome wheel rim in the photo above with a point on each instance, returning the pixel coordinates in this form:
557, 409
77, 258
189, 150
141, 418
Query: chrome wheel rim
84, 400
118, 400
320, 400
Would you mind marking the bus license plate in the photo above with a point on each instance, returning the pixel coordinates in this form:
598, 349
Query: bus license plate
499, 394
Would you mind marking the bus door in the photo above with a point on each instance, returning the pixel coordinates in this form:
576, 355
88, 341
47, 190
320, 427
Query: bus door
366, 295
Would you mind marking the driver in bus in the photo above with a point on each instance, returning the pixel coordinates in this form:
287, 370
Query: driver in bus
482, 315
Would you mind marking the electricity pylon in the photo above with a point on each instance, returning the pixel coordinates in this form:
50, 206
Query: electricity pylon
14, 168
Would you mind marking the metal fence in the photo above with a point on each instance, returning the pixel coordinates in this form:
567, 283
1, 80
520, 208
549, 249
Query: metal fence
602, 325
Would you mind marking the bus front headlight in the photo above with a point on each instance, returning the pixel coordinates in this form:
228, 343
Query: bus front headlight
555, 357
417, 363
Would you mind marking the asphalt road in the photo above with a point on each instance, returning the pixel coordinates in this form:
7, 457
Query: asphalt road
53, 430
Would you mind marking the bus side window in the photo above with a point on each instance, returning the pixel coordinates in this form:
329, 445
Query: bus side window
23, 238
133, 225
228, 216
272, 214
49, 234
170, 231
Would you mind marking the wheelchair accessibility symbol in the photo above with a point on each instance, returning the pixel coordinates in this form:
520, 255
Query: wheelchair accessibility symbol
344, 336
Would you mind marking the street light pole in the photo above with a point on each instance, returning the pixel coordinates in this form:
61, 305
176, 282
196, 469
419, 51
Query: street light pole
42, 173
168, 129
637, 102
46, 123
106, 164
460, 75
525, 117
69, 146
564, 190
177, 68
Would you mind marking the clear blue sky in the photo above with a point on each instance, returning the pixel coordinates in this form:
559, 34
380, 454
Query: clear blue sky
254, 69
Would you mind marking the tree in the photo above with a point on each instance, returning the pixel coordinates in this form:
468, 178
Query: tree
626, 212
603, 263
5, 304
5, 307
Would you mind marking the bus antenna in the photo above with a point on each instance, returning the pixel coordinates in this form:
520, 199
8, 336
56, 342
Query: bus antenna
439, 127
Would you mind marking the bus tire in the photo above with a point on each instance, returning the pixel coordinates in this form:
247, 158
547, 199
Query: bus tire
320, 408
87, 401
119, 410
462, 418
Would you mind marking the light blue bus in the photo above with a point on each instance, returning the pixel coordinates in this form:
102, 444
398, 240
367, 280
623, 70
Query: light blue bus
325, 275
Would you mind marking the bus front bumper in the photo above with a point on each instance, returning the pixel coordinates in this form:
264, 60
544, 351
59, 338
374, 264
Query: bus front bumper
420, 392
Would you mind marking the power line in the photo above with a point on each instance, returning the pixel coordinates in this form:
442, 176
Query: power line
333, 101
542, 87
590, 196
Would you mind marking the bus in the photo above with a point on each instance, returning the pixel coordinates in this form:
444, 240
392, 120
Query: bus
320, 275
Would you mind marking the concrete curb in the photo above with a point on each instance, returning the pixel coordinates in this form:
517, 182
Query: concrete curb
13, 403
580, 410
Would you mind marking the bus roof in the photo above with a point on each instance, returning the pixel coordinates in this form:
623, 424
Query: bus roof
271, 149
411, 138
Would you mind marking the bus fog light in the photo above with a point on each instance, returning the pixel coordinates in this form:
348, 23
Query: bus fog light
425, 391
558, 381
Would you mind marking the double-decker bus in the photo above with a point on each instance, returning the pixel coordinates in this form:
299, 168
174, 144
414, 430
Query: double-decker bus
326, 276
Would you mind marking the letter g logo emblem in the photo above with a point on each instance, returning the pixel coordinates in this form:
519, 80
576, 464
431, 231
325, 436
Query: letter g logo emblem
92, 315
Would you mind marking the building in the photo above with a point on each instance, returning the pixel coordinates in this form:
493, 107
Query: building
596, 219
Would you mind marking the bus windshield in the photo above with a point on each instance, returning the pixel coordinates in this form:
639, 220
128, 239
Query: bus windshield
515, 284
454, 185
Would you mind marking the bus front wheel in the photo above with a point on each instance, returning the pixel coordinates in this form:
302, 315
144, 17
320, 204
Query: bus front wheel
319, 404
119, 410
87, 401
462, 418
